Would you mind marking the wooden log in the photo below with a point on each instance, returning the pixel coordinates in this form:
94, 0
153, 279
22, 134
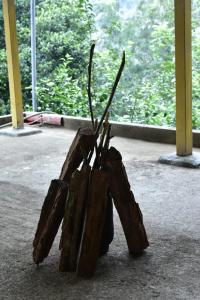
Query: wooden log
127, 208
108, 229
44, 240
94, 222
82, 144
73, 219
46, 209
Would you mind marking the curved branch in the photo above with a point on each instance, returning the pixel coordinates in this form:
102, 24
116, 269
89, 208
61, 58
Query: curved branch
112, 92
89, 84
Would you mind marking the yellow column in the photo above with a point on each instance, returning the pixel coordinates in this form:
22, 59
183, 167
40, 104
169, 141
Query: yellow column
183, 77
13, 63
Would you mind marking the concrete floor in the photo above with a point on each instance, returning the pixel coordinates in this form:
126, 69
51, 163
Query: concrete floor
168, 196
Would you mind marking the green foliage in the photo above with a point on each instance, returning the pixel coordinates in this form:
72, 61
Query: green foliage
65, 28
63, 38
61, 93
4, 89
147, 90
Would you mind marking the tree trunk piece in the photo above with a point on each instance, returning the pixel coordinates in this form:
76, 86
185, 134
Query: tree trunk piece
46, 209
82, 144
94, 223
47, 232
129, 212
73, 219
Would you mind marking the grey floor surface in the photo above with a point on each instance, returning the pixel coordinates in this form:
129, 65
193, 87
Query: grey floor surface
168, 196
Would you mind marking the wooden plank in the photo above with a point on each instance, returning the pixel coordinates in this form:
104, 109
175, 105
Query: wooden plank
45, 234
127, 208
46, 209
53, 208
94, 223
73, 219
13, 63
183, 77
82, 144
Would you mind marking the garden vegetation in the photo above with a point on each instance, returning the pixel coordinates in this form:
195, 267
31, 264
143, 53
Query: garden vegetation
65, 31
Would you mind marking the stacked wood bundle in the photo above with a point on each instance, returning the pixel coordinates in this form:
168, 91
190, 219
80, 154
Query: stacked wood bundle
82, 199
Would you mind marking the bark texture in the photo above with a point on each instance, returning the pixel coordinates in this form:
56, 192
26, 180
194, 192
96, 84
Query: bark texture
73, 219
128, 209
49, 221
82, 144
108, 229
94, 223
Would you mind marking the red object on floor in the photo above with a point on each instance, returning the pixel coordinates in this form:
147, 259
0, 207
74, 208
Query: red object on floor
52, 119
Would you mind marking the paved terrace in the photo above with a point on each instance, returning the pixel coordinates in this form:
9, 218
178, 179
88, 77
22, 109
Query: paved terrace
168, 196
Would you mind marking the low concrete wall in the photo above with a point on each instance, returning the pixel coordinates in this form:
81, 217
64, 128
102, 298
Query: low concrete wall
135, 131
129, 130
196, 138
5, 119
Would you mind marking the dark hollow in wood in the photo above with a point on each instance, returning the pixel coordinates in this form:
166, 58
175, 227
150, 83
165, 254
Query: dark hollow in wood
73, 219
54, 218
108, 229
94, 222
82, 144
128, 210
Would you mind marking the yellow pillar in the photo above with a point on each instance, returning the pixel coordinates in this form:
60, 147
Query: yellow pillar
183, 77
13, 63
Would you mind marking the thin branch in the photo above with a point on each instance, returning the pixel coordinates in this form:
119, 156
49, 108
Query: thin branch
95, 124
89, 84
98, 125
99, 148
112, 91
108, 137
